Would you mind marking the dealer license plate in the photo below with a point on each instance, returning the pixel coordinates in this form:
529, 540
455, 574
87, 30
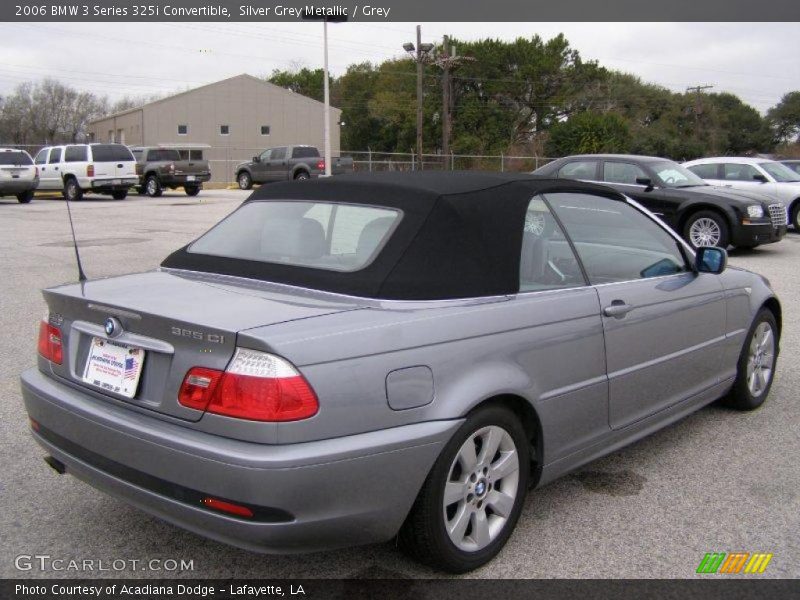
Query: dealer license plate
190, 178
114, 367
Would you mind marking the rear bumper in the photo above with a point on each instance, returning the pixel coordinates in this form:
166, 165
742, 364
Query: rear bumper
17, 186
113, 185
752, 235
179, 180
312, 496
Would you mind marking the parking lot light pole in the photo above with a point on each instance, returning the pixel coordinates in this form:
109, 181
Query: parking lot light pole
311, 16
327, 94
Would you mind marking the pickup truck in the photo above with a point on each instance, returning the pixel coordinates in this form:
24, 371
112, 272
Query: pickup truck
159, 167
287, 163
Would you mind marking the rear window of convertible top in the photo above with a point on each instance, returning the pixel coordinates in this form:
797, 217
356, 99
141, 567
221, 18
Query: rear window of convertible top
320, 235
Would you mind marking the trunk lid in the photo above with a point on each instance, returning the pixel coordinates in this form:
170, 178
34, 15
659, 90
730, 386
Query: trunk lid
179, 320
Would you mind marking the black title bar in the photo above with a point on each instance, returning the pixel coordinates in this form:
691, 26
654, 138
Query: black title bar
401, 10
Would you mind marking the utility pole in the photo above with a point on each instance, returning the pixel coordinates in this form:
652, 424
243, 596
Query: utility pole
448, 61
420, 55
698, 107
446, 91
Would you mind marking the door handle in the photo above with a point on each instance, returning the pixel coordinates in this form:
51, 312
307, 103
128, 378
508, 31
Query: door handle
617, 309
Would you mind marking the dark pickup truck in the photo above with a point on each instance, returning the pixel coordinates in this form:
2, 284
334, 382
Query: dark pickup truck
288, 163
159, 167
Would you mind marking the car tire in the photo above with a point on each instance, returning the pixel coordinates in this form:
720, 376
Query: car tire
121, 195
72, 191
706, 228
756, 366
244, 180
152, 186
301, 176
191, 190
25, 197
795, 216
469, 531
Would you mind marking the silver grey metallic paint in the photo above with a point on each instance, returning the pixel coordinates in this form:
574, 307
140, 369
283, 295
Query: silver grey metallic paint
595, 383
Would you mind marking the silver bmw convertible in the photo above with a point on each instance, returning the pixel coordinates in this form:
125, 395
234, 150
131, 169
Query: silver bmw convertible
349, 360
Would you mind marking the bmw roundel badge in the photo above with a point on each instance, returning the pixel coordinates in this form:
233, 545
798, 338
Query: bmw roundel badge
113, 327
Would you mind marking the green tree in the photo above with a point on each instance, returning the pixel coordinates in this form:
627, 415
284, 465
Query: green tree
303, 81
784, 117
589, 133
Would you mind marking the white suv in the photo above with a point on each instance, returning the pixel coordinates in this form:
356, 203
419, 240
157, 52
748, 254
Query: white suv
768, 177
18, 176
78, 168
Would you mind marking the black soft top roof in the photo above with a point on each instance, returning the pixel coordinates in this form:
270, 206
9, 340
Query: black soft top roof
460, 235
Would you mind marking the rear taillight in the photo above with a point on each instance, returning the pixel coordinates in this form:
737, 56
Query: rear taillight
171, 167
139, 169
36, 172
255, 386
321, 165
50, 342
90, 170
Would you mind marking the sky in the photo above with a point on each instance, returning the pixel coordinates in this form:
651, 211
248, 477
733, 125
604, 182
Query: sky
756, 61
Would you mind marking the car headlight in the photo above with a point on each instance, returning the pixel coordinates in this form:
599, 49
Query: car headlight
755, 211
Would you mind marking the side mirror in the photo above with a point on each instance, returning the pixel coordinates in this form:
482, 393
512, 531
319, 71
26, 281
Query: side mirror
256, 159
710, 259
646, 182
760, 177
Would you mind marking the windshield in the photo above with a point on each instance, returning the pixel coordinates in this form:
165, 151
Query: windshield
779, 172
674, 175
320, 235
15, 158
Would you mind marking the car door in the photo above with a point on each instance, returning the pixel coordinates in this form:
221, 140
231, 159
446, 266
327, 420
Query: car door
258, 169
276, 165
558, 338
664, 324
50, 178
41, 163
742, 176
623, 175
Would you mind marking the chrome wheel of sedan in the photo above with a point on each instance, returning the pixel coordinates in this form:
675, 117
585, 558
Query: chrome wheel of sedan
481, 488
761, 359
705, 232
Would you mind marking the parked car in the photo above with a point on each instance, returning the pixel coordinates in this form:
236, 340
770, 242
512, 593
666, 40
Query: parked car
793, 164
704, 215
767, 177
288, 163
18, 175
355, 358
162, 167
76, 169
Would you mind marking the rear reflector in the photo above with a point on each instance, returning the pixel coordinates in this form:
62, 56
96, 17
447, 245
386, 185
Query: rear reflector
228, 507
34, 425
256, 386
50, 342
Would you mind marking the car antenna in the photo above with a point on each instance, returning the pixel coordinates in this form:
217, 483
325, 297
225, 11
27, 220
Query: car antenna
81, 274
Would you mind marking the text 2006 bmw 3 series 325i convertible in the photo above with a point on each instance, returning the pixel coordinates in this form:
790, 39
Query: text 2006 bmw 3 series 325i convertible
346, 360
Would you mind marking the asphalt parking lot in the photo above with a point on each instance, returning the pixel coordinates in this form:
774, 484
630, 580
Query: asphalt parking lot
717, 481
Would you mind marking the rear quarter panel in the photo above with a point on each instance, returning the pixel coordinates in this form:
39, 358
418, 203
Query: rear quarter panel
546, 348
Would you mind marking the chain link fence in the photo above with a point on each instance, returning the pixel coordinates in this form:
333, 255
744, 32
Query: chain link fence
224, 161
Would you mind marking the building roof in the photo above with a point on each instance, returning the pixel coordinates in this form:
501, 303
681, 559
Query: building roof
202, 87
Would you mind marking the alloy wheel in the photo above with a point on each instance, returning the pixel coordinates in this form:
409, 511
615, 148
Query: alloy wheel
705, 232
481, 488
761, 359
